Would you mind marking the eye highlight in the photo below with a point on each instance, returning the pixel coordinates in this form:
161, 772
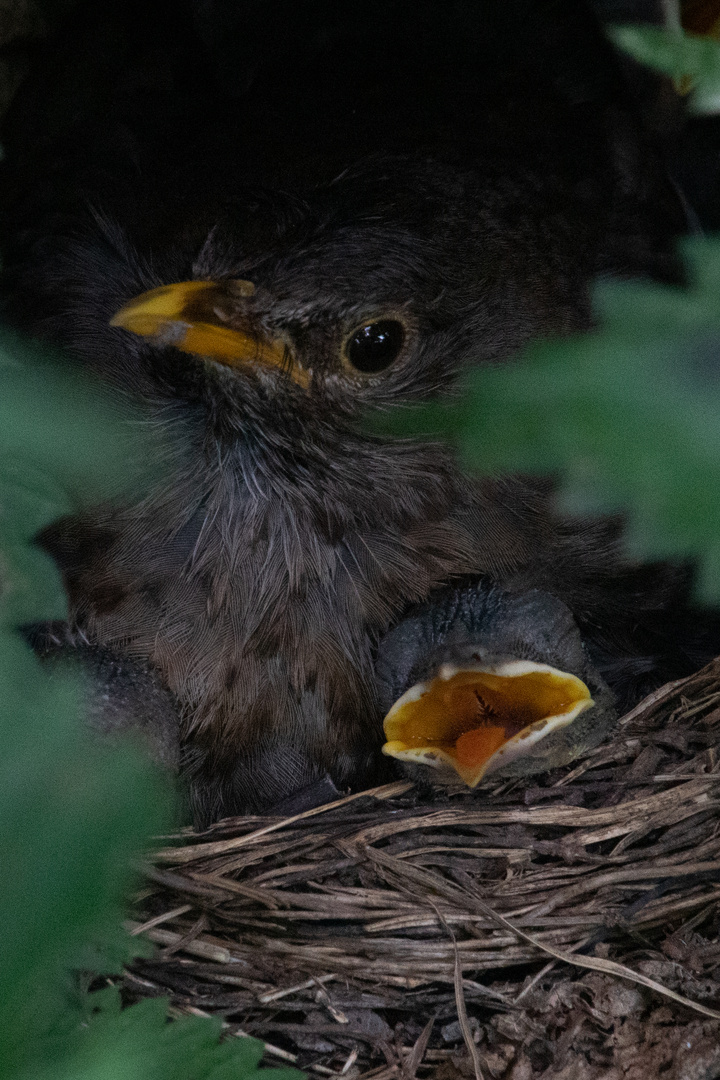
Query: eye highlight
375, 346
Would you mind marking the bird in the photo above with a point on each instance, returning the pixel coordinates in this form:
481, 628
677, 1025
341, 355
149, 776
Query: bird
262, 220
479, 680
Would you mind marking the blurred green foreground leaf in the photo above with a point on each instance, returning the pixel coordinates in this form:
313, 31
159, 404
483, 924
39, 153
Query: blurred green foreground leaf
629, 416
71, 814
692, 61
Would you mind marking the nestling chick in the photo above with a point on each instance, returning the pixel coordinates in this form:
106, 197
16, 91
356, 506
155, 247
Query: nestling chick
479, 681
361, 218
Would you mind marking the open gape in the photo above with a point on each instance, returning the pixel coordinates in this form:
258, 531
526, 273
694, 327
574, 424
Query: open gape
478, 719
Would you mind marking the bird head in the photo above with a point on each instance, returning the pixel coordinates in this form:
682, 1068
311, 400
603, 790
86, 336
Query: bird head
376, 289
233, 323
479, 680
481, 717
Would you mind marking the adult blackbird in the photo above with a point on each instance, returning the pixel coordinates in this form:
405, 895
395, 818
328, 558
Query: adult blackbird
262, 219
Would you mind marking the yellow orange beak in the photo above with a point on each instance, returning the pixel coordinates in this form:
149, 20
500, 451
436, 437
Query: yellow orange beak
189, 315
478, 719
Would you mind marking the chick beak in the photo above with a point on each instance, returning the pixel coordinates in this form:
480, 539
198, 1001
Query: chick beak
478, 719
191, 316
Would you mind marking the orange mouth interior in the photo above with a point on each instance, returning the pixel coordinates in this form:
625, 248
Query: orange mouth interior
477, 719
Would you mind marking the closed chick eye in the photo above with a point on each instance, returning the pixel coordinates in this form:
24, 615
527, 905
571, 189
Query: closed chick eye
374, 346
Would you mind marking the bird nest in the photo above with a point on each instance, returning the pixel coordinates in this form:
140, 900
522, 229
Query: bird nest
565, 929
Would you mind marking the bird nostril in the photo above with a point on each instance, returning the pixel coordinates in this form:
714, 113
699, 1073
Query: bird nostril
238, 287
230, 296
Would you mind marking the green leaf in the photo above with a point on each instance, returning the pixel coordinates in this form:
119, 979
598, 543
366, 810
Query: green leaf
679, 55
73, 813
126, 1043
629, 415
58, 422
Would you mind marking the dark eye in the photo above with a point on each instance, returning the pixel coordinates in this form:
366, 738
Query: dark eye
374, 347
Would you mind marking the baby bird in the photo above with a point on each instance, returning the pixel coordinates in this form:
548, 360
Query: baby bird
297, 231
